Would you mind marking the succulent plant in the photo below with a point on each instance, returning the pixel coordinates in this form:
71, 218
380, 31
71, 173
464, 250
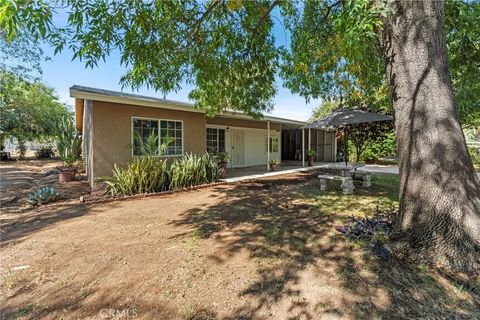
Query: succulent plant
42, 196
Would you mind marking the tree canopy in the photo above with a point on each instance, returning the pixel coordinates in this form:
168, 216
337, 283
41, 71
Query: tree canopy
463, 41
228, 48
28, 110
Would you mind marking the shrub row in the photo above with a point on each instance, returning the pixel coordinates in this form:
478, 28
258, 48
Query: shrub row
150, 174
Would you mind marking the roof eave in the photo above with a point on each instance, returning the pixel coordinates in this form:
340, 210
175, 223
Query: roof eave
77, 92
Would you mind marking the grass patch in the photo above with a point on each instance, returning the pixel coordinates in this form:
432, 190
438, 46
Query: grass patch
383, 192
195, 313
25, 310
15, 279
192, 239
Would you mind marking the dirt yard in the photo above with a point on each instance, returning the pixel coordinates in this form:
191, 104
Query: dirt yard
18, 178
255, 250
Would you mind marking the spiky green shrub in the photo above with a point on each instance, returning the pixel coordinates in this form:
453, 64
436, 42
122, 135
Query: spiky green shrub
42, 196
149, 173
141, 175
69, 141
149, 146
192, 170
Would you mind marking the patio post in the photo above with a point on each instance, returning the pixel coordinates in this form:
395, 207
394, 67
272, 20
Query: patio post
309, 138
303, 147
335, 146
268, 145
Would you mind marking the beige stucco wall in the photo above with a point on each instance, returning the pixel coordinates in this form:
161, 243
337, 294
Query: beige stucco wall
112, 135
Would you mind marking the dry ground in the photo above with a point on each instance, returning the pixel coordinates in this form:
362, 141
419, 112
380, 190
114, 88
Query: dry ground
18, 178
254, 250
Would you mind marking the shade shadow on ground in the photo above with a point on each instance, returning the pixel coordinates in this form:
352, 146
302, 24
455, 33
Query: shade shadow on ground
288, 229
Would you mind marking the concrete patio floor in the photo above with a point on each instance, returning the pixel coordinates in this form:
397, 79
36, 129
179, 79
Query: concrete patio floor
254, 172
246, 173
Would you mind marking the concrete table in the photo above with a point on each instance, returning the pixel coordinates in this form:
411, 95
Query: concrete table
347, 172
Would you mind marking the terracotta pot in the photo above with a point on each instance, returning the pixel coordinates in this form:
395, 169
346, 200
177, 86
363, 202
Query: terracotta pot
310, 161
66, 176
272, 167
223, 169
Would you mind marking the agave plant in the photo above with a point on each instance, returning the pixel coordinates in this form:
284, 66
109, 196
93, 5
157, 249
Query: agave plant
42, 196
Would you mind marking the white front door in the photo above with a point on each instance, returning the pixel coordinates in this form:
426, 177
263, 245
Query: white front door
238, 147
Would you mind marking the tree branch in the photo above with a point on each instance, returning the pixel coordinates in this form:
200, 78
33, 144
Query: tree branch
265, 15
258, 24
330, 7
198, 23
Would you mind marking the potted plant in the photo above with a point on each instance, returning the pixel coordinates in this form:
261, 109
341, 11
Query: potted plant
223, 159
310, 154
273, 164
69, 145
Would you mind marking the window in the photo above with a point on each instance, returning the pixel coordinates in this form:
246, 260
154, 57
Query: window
168, 130
142, 129
215, 140
171, 133
273, 144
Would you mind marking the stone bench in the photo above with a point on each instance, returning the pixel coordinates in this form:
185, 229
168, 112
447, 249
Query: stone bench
347, 182
366, 178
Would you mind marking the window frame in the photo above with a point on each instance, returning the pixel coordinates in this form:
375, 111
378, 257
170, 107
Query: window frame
159, 137
218, 140
270, 143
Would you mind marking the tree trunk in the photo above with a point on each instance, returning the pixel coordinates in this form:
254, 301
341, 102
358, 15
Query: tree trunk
439, 191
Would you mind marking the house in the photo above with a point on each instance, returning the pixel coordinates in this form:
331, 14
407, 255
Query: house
109, 120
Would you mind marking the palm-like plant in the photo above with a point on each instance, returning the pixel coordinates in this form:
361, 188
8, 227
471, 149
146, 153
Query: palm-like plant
149, 146
69, 142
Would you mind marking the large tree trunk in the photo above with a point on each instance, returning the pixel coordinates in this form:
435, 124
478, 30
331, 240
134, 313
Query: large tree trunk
439, 190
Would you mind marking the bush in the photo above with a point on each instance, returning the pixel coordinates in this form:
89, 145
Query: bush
44, 153
150, 174
383, 148
193, 170
42, 196
475, 155
142, 175
22, 149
